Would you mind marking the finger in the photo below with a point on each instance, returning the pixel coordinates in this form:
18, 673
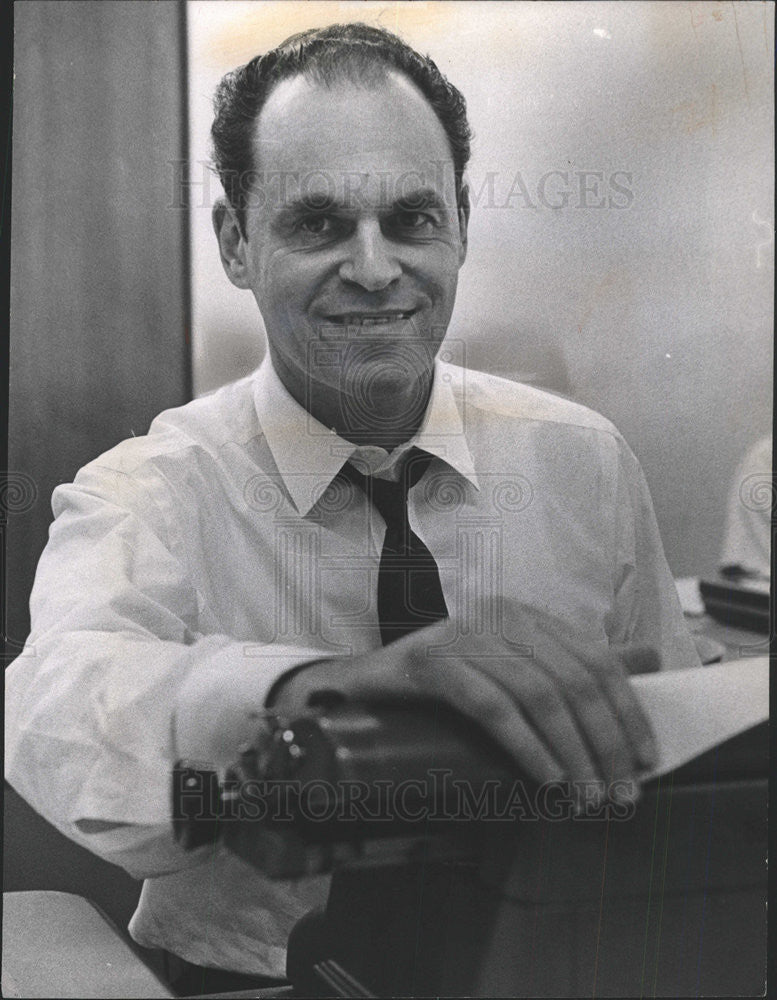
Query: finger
625, 733
593, 717
614, 681
540, 698
486, 702
606, 728
639, 659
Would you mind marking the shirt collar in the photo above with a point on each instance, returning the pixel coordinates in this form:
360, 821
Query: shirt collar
309, 455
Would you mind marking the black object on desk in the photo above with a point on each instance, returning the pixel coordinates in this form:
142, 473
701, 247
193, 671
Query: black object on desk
733, 603
665, 900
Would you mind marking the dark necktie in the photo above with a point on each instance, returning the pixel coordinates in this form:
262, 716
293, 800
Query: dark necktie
409, 591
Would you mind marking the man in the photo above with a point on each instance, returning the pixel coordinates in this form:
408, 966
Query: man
245, 553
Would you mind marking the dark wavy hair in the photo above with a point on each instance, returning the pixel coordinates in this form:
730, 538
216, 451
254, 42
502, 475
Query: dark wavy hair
355, 52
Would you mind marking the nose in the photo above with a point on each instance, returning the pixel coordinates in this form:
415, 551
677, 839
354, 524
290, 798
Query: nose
371, 260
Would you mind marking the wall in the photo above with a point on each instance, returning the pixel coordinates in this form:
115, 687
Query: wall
98, 302
652, 306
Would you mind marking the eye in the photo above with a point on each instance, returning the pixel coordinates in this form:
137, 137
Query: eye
316, 225
412, 221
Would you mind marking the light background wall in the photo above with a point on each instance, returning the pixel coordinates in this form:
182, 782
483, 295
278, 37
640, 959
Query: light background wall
657, 314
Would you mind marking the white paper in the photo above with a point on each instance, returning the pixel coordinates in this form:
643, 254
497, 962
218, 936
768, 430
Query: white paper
693, 710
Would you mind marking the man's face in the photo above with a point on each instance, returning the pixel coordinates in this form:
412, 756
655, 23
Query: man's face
353, 240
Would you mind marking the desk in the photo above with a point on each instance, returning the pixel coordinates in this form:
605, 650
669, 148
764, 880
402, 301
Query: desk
669, 904
56, 944
738, 642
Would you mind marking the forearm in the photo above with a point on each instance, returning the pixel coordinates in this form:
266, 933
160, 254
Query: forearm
91, 731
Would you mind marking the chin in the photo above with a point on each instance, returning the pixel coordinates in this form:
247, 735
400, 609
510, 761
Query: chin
387, 370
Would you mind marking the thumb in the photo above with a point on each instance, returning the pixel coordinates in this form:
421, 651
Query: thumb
639, 659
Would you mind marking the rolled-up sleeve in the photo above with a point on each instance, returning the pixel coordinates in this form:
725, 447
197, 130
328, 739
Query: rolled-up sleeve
646, 609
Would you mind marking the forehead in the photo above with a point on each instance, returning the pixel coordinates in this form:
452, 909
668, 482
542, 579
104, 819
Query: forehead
332, 135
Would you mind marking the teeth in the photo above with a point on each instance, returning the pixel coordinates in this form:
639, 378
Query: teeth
359, 320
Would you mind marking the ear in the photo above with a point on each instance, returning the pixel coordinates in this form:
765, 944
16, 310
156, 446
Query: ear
232, 244
463, 221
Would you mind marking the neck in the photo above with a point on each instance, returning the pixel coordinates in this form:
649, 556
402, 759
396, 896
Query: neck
385, 418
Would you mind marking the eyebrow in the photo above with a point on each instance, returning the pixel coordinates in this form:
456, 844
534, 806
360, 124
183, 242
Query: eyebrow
413, 200
420, 198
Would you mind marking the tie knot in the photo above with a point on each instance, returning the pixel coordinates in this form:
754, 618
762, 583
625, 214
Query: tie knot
391, 497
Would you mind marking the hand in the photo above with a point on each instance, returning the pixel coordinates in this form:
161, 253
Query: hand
565, 712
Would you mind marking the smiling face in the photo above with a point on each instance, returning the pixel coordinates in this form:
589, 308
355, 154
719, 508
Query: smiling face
352, 245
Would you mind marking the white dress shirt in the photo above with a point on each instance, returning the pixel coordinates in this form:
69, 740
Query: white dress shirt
747, 541
216, 542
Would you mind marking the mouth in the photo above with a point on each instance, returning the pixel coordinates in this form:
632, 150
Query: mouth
370, 318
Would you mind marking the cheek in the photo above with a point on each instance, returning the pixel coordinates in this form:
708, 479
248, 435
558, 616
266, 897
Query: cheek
438, 269
439, 257
291, 280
